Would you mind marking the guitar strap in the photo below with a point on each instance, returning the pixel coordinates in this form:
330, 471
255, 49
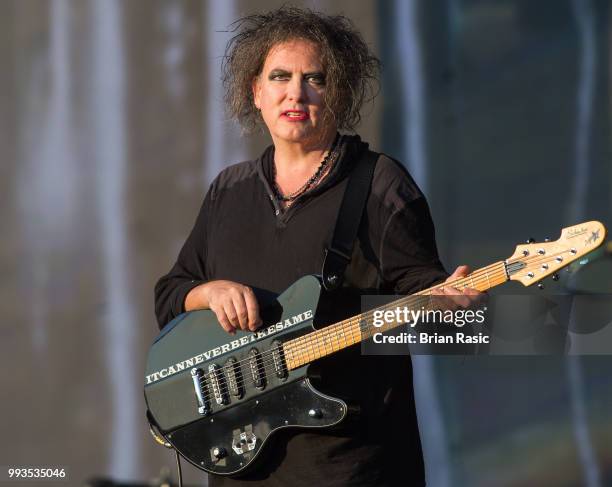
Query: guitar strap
338, 254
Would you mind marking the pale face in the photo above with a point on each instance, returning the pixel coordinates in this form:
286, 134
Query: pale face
289, 92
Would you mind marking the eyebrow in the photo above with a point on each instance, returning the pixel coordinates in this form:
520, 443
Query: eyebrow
277, 71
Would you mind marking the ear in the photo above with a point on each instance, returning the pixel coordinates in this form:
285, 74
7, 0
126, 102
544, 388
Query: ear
255, 86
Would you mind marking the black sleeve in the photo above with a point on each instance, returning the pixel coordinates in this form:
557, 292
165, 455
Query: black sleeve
409, 256
188, 272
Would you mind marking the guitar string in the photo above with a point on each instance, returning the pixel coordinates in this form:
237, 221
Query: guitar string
317, 346
305, 342
308, 345
314, 346
536, 259
323, 342
478, 274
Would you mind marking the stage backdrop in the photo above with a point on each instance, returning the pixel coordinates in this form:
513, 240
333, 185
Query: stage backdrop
112, 127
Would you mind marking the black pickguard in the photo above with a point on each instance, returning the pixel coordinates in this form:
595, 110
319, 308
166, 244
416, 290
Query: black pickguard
286, 406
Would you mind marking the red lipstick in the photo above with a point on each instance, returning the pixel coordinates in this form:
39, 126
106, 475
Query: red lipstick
295, 115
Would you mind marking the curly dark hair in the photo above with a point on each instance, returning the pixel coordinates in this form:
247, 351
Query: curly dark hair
351, 70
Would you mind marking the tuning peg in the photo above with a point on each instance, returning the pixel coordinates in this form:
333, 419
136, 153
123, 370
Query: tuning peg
555, 277
540, 285
530, 240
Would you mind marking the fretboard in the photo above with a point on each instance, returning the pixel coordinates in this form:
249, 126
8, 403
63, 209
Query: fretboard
333, 338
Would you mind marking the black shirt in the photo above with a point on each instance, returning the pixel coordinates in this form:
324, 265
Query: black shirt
241, 234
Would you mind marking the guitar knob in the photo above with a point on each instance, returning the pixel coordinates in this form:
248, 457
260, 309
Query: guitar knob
332, 278
219, 452
530, 240
315, 413
540, 285
555, 277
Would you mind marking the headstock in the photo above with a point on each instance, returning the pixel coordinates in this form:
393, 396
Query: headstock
532, 262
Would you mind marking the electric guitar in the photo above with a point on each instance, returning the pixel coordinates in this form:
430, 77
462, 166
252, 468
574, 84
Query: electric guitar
217, 398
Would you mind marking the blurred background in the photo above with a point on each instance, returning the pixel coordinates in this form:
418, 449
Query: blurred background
112, 127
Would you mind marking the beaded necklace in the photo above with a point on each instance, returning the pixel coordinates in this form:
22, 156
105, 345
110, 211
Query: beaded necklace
312, 181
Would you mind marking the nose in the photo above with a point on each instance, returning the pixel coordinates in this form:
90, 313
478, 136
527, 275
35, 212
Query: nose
295, 89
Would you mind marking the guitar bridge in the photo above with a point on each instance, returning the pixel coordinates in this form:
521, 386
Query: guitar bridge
199, 384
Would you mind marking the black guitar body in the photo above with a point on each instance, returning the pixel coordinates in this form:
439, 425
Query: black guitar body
218, 398
251, 426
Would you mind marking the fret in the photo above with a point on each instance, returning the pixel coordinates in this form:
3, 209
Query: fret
321, 343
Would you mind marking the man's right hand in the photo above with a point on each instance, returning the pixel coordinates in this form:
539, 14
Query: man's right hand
234, 304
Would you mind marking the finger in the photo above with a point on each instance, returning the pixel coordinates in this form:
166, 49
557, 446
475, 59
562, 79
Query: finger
230, 311
461, 271
241, 312
457, 297
242, 317
451, 291
462, 301
475, 296
224, 321
252, 309
442, 302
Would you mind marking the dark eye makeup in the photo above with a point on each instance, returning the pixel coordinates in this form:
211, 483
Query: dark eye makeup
282, 75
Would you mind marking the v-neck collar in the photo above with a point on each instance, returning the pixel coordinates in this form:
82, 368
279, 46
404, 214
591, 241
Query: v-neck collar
350, 148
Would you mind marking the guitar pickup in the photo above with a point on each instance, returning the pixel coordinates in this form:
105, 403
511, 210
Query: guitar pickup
234, 378
218, 384
278, 357
199, 384
258, 372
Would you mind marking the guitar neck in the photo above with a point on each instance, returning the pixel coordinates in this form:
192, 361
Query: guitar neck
331, 339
